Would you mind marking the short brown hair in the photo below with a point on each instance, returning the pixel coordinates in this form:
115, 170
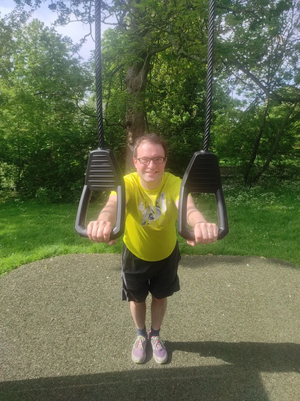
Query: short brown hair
151, 138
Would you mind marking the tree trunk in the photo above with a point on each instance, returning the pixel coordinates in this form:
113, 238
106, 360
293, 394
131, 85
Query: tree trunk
256, 145
275, 145
136, 122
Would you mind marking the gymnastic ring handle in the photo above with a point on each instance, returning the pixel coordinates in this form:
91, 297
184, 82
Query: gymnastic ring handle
183, 229
103, 174
80, 222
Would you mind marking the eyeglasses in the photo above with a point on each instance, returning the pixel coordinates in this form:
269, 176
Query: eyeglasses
146, 160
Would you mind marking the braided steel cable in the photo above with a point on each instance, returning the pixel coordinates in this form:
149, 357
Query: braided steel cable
209, 77
98, 72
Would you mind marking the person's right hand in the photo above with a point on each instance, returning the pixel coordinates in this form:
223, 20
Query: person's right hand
99, 231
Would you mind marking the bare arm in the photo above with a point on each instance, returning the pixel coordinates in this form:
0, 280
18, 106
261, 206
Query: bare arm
205, 233
100, 230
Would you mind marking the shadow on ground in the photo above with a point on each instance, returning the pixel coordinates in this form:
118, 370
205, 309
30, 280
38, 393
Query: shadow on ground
238, 379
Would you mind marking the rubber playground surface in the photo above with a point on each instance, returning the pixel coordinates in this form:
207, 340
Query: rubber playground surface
232, 332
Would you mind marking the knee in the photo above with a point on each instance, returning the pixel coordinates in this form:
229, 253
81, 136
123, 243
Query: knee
159, 301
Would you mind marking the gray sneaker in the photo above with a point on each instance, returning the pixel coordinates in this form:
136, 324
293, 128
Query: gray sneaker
160, 354
138, 353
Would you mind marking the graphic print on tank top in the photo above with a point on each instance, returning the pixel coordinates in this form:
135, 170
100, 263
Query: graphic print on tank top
151, 213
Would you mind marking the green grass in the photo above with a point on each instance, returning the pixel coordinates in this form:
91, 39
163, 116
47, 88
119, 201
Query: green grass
263, 222
30, 231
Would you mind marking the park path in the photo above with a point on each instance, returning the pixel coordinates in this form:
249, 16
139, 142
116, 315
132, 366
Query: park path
232, 333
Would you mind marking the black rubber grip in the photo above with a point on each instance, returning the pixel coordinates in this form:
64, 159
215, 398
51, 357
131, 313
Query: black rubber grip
202, 176
103, 174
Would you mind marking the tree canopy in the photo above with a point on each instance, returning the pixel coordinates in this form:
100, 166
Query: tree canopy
41, 87
154, 79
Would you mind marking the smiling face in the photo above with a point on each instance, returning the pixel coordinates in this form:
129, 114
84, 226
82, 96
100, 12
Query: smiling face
150, 175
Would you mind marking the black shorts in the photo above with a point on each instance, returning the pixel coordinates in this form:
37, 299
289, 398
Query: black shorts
139, 277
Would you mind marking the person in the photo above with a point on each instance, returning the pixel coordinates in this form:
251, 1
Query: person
150, 254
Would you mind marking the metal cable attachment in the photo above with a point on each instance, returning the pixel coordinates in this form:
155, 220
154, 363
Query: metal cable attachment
98, 72
209, 77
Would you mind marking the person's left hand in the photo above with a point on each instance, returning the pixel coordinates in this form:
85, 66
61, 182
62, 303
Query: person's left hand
205, 233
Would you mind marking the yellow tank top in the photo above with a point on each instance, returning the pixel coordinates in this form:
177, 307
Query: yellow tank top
151, 215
